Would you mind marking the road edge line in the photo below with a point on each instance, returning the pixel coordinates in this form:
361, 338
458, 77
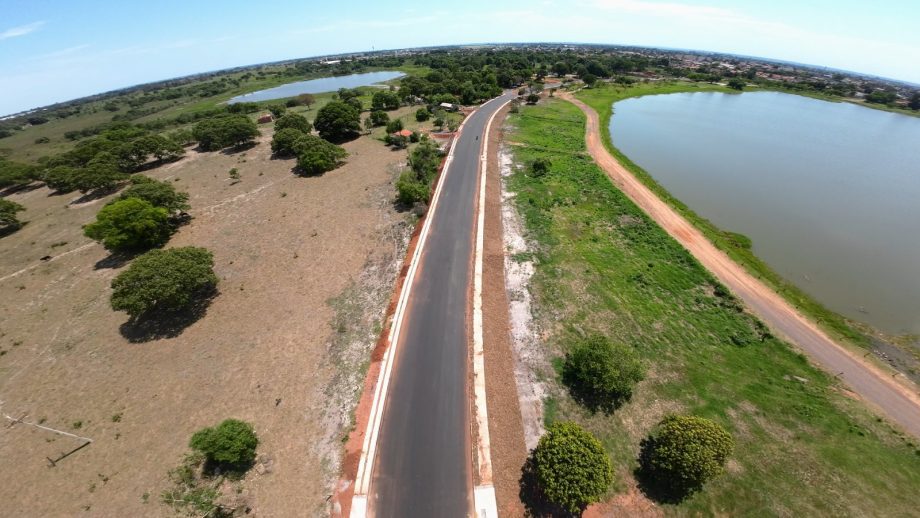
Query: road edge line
483, 494
369, 448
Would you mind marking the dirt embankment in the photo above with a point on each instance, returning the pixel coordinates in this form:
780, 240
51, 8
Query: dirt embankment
306, 267
899, 401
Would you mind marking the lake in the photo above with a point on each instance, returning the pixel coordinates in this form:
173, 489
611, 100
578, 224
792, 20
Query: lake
315, 86
828, 192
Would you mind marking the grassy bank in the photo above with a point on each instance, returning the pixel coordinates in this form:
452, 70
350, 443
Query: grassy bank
736, 246
803, 448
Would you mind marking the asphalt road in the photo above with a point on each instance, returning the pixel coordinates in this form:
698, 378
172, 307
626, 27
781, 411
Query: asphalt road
423, 465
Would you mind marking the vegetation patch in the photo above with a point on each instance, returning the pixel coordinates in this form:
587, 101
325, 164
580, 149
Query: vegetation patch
604, 268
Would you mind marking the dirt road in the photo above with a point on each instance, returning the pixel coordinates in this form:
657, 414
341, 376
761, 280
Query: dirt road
900, 403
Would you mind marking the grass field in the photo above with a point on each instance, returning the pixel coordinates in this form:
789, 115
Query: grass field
602, 99
804, 447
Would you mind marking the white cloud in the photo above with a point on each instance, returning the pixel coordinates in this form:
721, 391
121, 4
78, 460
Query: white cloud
21, 30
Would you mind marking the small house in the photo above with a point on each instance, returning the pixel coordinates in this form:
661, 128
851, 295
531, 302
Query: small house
449, 107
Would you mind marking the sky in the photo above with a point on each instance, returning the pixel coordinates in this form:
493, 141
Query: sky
52, 51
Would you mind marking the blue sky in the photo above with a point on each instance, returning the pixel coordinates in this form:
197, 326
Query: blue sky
52, 51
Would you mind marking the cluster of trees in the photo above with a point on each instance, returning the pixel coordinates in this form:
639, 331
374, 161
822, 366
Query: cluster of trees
385, 101
224, 131
16, 174
142, 217
101, 163
414, 184
315, 155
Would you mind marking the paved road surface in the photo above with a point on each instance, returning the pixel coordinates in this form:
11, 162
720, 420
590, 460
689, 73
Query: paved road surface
873, 385
423, 465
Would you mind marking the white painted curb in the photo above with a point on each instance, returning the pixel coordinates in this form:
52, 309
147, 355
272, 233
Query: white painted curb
484, 494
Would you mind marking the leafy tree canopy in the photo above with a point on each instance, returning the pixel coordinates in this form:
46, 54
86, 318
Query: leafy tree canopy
164, 281
338, 121
130, 225
572, 468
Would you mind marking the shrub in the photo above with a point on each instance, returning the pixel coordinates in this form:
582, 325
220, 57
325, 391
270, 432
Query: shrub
155, 192
397, 141
540, 167
685, 452
410, 190
422, 114
601, 374
379, 118
338, 121
277, 110
394, 125
533, 99
286, 141
295, 121
130, 225
231, 444
316, 156
572, 468
8, 221
164, 280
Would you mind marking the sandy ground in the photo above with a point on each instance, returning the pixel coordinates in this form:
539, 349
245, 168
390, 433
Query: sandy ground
898, 400
306, 268
506, 431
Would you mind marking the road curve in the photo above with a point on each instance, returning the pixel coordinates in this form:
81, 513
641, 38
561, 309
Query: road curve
423, 464
873, 385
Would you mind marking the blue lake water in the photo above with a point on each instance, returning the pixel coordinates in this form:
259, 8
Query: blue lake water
828, 192
315, 86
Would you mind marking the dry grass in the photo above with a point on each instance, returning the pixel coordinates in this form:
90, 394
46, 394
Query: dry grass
284, 247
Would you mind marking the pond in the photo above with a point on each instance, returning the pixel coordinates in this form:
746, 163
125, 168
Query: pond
315, 86
828, 192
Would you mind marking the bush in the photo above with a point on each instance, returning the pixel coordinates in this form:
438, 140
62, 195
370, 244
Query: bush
8, 221
422, 114
294, 121
379, 118
231, 444
287, 141
15, 173
277, 110
130, 225
316, 156
571, 467
338, 121
394, 125
155, 192
533, 99
410, 190
599, 374
164, 280
684, 453
540, 167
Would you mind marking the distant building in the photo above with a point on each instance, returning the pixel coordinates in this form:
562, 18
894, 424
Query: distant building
449, 107
402, 133
266, 118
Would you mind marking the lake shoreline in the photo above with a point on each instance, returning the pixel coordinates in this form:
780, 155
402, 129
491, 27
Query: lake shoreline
842, 328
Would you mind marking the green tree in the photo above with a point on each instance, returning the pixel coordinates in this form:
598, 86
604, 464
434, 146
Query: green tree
422, 114
316, 156
155, 192
385, 101
306, 100
736, 83
600, 374
230, 445
229, 130
685, 452
571, 467
101, 174
338, 121
589, 79
16, 174
164, 281
287, 141
277, 110
394, 125
295, 121
914, 102
379, 118
130, 225
9, 223
533, 99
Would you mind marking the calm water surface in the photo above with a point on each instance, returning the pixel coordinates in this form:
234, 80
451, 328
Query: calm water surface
828, 192
315, 86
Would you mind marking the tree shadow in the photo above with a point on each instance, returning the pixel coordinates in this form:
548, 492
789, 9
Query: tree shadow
232, 150
166, 324
21, 188
113, 261
233, 471
656, 486
345, 138
535, 503
589, 399
95, 195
